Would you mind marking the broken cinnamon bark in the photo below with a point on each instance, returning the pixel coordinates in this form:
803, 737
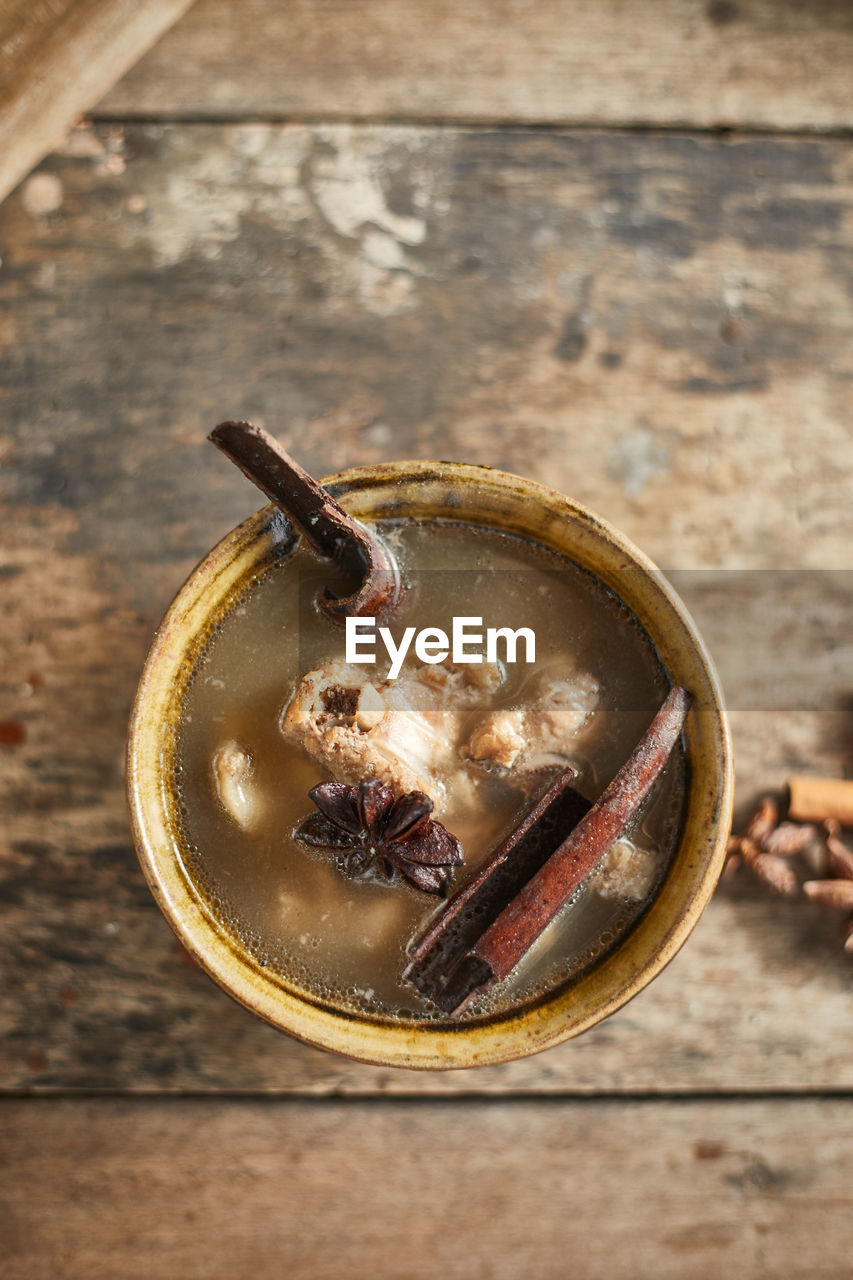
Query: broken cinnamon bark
322, 521
818, 799
486, 929
435, 966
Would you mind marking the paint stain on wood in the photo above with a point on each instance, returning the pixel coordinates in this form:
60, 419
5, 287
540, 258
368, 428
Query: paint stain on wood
12, 733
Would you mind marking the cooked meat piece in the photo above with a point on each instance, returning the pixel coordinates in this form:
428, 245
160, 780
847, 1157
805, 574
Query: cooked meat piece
626, 871
415, 732
465, 683
404, 731
540, 735
232, 770
370, 708
499, 739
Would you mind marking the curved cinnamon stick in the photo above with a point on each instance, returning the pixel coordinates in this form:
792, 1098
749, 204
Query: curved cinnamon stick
322, 521
519, 924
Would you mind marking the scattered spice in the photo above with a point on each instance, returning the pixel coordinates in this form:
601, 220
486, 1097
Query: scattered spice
832, 893
837, 892
36, 1060
452, 980
840, 857
319, 518
767, 843
369, 826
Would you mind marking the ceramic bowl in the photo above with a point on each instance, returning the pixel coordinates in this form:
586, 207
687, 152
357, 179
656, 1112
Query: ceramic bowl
473, 495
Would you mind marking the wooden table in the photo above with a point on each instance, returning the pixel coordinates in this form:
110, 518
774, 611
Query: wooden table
602, 245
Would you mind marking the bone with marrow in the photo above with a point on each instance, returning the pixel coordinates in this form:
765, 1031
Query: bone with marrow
432, 730
536, 736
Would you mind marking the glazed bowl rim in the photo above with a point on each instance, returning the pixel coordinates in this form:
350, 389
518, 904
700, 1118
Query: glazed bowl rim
570, 1009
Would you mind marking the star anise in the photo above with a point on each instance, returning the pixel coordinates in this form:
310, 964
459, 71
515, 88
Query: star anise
368, 826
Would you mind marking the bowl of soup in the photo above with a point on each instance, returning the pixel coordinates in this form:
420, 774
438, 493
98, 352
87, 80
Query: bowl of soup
251, 697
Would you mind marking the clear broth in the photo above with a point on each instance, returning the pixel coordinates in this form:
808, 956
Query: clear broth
344, 942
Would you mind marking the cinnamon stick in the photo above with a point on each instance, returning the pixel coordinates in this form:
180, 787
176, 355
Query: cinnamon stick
819, 799
479, 903
319, 518
453, 980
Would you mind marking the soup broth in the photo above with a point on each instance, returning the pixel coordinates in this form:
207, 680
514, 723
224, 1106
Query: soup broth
343, 941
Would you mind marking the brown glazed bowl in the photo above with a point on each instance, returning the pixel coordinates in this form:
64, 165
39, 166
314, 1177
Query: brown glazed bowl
473, 495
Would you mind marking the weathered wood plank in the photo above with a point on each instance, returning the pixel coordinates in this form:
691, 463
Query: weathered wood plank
186, 1187
658, 326
675, 62
99, 996
57, 58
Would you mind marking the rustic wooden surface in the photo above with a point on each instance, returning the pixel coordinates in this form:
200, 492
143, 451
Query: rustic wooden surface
657, 324
769, 64
561, 306
675, 1191
57, 58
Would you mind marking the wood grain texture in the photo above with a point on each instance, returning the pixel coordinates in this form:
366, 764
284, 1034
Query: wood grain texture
658, 326
57, 58
675, 62
671, 1190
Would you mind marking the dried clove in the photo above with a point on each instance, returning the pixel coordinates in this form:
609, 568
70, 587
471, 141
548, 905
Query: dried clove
767, 843
832, 893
